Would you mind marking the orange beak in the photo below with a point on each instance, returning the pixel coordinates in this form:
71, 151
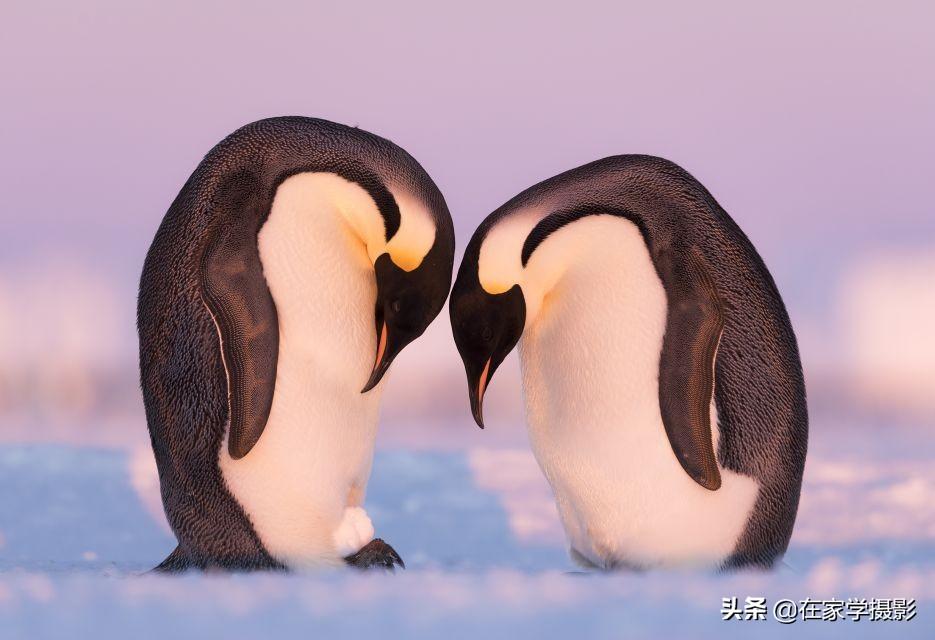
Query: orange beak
477, 398
380, 364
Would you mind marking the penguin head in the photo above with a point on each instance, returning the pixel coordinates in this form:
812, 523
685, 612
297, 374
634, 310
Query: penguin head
486, 327
407, 302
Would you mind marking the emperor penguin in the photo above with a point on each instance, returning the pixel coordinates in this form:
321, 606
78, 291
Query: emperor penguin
662, 382
297, 261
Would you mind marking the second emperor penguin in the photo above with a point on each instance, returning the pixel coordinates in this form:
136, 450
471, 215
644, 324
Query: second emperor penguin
662, 381
297, 261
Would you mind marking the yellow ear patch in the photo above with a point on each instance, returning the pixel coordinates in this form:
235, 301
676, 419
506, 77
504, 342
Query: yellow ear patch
498, 265
416, 233
405, 260
494, 288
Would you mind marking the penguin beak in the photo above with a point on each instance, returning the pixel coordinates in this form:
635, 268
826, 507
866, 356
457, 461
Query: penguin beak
387, 350
477, 395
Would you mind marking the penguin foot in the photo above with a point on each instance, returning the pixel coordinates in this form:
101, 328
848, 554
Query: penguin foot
376, 554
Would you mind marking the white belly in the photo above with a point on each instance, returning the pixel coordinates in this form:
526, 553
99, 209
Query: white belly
590, 372
313, 459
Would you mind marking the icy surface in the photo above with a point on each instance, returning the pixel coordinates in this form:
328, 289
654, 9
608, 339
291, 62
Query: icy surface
79, 526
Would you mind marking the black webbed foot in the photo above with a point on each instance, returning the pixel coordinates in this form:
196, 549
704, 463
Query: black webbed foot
376, 554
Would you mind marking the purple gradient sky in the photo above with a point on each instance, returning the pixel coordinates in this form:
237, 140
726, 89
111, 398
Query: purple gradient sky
813, 125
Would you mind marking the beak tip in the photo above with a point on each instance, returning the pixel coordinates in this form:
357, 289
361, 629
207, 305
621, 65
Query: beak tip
372, 382
375, 376
385, 355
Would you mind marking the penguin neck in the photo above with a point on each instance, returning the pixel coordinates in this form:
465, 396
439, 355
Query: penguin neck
411, 242
500, 264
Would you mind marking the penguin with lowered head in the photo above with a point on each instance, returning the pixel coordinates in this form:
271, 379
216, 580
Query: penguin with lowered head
295, 264
663, 388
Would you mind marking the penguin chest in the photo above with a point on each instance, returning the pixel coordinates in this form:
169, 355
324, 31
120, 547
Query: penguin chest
313, 459
590, 371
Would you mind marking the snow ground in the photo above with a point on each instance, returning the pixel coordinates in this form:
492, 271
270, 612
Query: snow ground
485, 554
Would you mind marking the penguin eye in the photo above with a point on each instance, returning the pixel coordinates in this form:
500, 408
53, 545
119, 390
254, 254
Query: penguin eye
486, 334
396, 305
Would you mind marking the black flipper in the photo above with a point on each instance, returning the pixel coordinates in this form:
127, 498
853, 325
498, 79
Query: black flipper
236, 294
686, 370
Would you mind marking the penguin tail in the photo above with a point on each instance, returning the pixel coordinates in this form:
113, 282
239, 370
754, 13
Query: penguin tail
175, 562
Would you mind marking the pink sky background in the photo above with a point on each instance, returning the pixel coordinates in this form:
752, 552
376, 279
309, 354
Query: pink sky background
812, 123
